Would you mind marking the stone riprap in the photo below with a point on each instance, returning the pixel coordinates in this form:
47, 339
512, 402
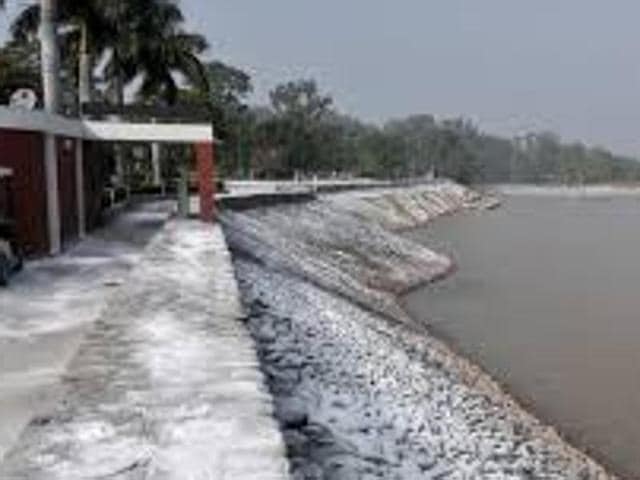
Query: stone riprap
167, 385
361, 391
345, 243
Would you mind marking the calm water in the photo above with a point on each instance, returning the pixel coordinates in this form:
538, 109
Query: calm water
547, 299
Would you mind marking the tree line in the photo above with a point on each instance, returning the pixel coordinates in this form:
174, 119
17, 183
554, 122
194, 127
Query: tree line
301, 132
106, 47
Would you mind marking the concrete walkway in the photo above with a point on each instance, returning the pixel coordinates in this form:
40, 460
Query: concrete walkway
166, 385
48, 307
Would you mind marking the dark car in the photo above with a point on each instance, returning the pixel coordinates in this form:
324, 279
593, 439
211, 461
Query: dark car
10, 254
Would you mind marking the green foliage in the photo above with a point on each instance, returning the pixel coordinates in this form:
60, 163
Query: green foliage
302, 133
299, 125
19, 68
142, 39
224, 96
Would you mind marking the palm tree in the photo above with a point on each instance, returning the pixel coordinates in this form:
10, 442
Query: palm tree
49, 53
145, 38
153, 45
19, 68
167, 49
87, 33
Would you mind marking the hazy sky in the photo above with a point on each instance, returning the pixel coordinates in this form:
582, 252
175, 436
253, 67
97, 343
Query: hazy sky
568, 65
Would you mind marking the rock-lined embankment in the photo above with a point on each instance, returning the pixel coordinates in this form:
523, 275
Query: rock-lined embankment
361, 391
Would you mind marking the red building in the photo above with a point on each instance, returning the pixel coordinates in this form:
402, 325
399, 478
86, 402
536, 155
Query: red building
58, 193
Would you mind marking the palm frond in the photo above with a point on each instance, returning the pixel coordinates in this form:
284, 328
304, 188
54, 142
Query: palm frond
26, 24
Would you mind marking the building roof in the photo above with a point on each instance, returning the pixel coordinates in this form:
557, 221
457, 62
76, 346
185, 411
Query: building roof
113, 131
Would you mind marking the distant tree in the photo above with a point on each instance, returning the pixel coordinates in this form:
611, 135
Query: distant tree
300, 98
299, 110
224, 98
420, 136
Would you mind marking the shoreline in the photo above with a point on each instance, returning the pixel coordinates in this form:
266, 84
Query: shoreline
317, 264
526, 406
522, 405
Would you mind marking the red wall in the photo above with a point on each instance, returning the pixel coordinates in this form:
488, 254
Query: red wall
67, 189
23, 152
96, 173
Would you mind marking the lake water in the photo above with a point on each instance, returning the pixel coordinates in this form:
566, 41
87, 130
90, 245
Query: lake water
547, 299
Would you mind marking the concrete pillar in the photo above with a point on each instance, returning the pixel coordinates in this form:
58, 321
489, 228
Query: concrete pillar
156, 168
205, 159
50, 60
52, 193
155, 164
119, 164
82, 227
183, 189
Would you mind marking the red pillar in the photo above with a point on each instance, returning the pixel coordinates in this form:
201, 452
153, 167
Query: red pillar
205, 158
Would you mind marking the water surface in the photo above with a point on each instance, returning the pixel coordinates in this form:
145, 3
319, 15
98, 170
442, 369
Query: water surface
547, 299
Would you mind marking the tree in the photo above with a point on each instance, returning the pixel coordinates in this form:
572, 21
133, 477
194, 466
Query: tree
224, 99
227, 90
299, 110
19, 68
87, 32
50, 55
157, 48
144, 38
49, 49
420, 134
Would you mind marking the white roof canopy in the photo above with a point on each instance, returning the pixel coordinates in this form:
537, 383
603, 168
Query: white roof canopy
112, 131
147, 132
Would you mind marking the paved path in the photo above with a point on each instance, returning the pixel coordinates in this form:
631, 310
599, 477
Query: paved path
166, 386
46, 310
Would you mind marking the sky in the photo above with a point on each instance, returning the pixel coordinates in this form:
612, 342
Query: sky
572, 66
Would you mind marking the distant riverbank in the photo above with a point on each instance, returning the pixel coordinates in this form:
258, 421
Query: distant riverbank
568, 190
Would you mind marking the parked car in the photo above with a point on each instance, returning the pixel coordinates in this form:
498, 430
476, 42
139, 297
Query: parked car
10, 252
